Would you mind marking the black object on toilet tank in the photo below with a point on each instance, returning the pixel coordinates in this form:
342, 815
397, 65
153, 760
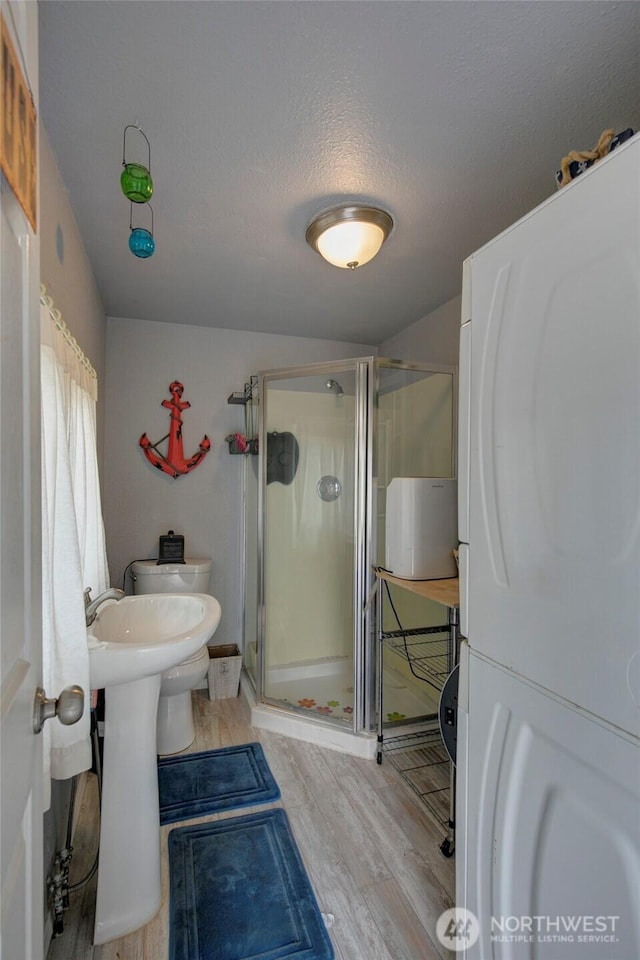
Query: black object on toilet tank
171, 548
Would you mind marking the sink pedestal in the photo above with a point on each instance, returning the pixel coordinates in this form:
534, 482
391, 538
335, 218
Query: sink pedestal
131, 643
129, 884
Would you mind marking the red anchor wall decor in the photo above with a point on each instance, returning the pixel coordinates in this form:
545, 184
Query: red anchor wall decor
174, 463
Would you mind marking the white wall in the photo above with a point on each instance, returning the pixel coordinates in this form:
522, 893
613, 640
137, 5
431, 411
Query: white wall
433, 339
66, 272
140, 502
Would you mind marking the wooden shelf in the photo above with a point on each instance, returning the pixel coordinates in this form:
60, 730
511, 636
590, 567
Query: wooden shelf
446, 592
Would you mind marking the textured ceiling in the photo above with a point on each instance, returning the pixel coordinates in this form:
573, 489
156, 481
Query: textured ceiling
451, 115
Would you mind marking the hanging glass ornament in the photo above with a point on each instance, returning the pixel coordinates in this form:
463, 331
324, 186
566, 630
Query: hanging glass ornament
135, 179
141, 242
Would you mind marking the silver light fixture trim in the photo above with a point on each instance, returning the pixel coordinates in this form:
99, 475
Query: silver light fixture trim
349, 235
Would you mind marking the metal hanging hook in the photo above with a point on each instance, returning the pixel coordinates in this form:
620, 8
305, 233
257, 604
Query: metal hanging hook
131, 226
124, 144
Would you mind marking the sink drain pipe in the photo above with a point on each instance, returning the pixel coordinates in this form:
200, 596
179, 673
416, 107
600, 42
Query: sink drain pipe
58, 883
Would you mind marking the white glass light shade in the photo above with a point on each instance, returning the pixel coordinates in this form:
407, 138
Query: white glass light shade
350, 243
349, 236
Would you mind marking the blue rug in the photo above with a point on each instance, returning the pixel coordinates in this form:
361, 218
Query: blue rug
239, 891
196, 784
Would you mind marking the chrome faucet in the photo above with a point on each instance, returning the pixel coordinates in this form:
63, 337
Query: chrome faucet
91, 606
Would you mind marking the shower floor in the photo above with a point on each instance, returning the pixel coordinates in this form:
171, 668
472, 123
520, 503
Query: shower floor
326, 688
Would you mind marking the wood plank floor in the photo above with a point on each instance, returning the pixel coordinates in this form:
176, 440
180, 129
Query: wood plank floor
370, 848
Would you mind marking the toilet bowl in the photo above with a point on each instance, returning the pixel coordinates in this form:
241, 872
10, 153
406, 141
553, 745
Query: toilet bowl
175, 729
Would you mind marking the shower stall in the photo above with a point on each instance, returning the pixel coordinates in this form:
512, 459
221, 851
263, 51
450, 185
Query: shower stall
331, 438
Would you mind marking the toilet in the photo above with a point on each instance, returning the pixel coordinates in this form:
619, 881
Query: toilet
175, 729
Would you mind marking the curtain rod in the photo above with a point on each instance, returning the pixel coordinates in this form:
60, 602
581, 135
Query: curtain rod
56, 316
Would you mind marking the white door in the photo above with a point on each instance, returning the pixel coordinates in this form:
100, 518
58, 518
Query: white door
553, 474
548, 840
21, 891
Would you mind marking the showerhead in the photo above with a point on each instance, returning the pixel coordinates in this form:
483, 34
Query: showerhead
334, 385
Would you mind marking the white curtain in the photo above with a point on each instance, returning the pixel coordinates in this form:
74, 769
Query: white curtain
73, 542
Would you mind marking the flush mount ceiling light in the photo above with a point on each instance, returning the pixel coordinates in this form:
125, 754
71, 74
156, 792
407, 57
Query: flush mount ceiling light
349, 235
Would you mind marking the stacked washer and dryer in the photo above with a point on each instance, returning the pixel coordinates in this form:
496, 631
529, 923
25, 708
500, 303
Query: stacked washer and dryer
175, 729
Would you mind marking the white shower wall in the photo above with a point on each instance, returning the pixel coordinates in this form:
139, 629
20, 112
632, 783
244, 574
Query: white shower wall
415, 429
309, 543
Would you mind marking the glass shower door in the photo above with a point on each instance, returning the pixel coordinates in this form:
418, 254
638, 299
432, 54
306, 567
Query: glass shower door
415, 437
250, 606
311, 527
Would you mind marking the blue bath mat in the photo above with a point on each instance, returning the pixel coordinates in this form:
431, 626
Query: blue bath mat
239, 891
196, 784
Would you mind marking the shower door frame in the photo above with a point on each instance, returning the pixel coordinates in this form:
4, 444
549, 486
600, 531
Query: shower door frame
363, 651
366, 371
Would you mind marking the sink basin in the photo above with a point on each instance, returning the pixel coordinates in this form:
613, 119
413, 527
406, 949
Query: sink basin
131, 642
140, 636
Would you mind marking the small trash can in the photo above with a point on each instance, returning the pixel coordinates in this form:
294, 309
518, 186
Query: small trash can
225, 664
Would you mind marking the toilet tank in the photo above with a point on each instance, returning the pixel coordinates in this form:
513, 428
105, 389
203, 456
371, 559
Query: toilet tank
192, 576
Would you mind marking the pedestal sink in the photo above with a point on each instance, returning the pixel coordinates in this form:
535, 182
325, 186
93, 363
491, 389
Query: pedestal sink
131, 642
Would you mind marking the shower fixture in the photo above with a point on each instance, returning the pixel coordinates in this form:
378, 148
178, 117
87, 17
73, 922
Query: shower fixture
328, 488
334, 385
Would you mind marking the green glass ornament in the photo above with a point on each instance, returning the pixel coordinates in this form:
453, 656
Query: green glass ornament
136, 183
135, 179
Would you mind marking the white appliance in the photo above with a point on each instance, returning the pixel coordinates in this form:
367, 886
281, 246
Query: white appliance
420, 528
548, 799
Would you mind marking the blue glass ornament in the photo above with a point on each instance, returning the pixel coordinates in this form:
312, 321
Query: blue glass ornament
141, 242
